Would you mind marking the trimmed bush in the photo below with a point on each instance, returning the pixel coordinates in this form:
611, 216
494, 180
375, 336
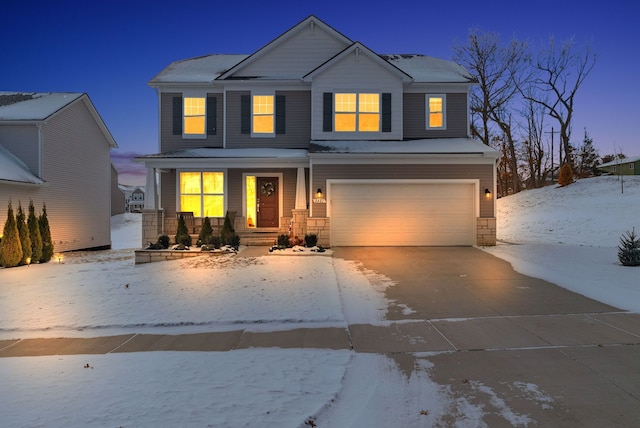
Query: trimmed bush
45, 235
34, 233
566, 175
629, 249
163, 240
227, 232
182, 235
310, 240
11, 249
206, 233
23, 233
283, 241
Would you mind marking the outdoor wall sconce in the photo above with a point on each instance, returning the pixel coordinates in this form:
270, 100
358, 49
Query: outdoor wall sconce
319, 193
319, 197
487, 194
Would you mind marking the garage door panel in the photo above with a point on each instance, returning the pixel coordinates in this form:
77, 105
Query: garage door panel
364, 214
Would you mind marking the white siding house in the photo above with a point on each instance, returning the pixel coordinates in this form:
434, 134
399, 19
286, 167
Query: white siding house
58, 150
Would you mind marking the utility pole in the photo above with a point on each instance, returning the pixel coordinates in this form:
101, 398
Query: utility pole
559, 160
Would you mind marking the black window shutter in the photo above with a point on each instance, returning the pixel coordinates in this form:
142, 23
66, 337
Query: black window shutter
212, 115
280, 114
327, 112
177, 115
245, 114
386, 112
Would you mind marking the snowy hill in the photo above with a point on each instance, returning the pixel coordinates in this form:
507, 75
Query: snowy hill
569, 236
591, 211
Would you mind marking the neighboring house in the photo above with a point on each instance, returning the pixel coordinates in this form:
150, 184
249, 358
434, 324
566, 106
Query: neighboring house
117, 195
317, 134
55, 150
626, 166
133, 198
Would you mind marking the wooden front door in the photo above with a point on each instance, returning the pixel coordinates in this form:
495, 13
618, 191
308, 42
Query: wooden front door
267, 202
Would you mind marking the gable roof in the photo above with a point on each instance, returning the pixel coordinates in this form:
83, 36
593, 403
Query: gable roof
310, 20
40, 106
427, 69
623, 161
358, 48
13, 170
203, 69
33, 105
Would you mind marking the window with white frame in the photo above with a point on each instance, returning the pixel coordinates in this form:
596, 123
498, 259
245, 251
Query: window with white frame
263, 114
436, 107
202, 192
194, 115
357, 112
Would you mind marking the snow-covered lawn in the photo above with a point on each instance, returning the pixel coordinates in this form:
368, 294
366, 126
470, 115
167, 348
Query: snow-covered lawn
568, 236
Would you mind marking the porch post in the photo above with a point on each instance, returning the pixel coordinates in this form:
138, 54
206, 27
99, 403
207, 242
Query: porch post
301, 191
151, 190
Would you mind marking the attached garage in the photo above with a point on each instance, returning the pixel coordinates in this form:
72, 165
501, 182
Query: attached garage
402, 212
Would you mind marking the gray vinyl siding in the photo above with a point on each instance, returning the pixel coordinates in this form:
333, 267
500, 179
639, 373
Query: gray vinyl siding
297, 129
168, 193
321, 173
22, 141
415, 117
170, 142
76, 164
295, 56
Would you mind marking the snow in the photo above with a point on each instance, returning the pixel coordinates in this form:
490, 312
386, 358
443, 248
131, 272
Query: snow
566, 235
433, 145
41, 106
569, 236
13, 169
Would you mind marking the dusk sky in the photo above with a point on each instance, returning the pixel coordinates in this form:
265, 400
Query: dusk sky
110, 50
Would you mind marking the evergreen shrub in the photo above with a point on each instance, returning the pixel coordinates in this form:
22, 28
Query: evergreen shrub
11, 249
182, 235
34, 233
23, 233
45, 235
310, 240
629, 249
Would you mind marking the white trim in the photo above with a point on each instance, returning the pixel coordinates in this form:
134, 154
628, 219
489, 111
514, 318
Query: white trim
438, 181
280, 195
194, 94
225, 196
404, 159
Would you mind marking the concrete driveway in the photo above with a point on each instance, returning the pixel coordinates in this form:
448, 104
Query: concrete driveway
520, 350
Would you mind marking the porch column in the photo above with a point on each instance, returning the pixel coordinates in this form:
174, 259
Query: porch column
151, 190
301, 191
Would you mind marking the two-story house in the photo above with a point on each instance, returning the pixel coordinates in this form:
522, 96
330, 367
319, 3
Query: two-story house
316, 133
55, 150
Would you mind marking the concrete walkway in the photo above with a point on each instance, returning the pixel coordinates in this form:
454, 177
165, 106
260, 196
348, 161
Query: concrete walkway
498, 339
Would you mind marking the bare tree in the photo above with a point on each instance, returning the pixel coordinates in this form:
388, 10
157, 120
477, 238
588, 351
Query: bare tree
558, 73
495, 67
533, 151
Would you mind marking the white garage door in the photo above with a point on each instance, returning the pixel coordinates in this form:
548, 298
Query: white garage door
402, 214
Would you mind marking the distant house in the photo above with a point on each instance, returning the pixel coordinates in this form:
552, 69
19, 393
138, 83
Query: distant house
55, 150
626, 166
315, 133
133, 198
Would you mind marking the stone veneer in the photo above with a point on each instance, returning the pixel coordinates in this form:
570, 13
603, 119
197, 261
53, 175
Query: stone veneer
319, 226
151, 226
486, 232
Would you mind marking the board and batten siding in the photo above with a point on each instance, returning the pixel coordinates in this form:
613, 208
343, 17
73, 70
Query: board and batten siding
296, 55
76, 165
170, 142
297, 123
415, 117
23, 142
357, 73
324, 172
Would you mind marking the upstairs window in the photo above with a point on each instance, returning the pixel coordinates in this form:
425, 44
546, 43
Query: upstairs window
357, 112
436, 108
263, 114
194, 111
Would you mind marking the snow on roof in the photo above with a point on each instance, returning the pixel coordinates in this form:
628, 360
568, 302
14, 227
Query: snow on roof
14, 170
33, 105
429, 69
202, 69
232, 153
424, 146
620, 161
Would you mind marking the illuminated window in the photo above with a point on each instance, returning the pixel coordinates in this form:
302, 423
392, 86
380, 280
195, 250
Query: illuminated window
436, 107
194, 116
250, 186
263, 114
363, 115
202, 193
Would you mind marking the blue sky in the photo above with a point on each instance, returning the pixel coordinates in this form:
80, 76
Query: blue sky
110, 50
